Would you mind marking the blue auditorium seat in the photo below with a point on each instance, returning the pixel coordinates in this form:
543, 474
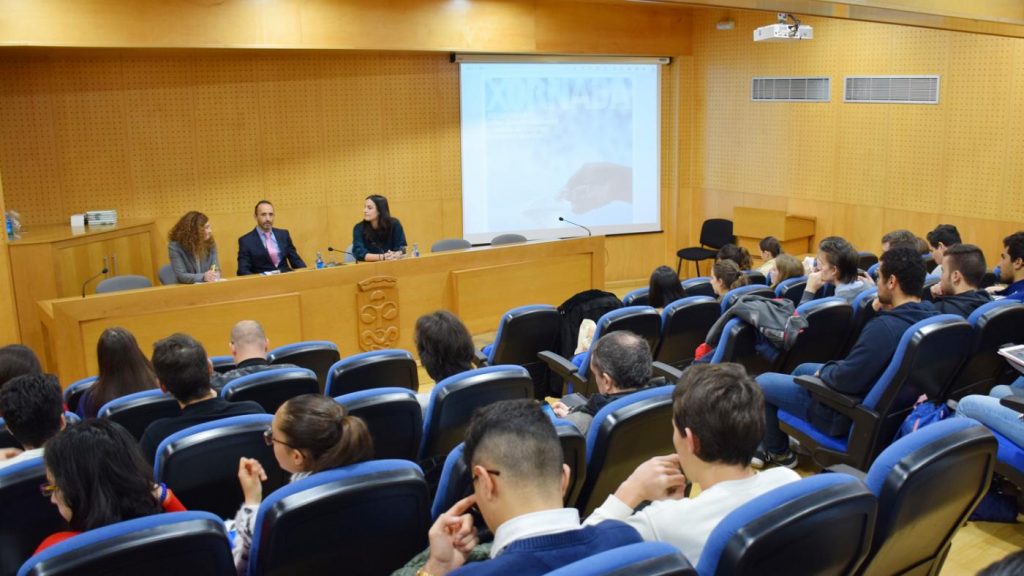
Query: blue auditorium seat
643, 559
28, 518
271, 388
317, 355
374, 369
394, 417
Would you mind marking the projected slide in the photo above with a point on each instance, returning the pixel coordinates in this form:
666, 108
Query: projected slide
576, 140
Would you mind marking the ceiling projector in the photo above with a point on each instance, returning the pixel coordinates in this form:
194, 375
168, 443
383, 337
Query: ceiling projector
782, 32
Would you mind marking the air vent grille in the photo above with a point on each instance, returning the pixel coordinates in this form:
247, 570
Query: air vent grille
893, 89
800, 89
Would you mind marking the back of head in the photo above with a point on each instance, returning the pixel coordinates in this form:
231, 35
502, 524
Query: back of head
101, 474
17, 360
444, 345
907, 266
967, 259
324, 431
625, 357
249, 339
31, 406
899, 237
946, 234
738, 254
786, 267
182, 367
123, 367
518, 440
771, 245
730, 274
664, 287
724, 408
843, 256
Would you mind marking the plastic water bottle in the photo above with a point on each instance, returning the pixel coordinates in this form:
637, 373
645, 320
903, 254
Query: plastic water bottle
319, 260
415, 250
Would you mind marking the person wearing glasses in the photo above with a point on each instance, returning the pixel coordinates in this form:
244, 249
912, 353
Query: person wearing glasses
309, 434
95, 476
33, 411
183, 371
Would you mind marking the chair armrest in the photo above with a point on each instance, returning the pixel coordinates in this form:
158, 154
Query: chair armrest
564, 368
826, 395
479, 358
848, 470
667, 372
1013, 402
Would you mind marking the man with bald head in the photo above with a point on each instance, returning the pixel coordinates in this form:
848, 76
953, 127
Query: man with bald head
249, 348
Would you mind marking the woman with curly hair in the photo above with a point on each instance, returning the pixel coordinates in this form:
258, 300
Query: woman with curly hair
192, 250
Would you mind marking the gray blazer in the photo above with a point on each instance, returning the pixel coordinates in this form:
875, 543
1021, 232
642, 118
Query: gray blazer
184, 264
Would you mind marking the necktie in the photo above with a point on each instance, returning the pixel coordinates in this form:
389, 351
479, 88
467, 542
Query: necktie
275, 256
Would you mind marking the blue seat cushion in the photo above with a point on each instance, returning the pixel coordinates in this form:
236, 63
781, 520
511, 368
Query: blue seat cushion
839, 444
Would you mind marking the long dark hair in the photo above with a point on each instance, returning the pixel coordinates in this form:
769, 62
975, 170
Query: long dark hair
664, 288
101, 474
323, 430
123, 369
385, 222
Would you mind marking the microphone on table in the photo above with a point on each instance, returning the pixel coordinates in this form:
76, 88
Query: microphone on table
333, 249
91, 278
589, 233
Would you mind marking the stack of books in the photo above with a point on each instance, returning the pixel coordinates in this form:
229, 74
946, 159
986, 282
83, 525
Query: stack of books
101, 217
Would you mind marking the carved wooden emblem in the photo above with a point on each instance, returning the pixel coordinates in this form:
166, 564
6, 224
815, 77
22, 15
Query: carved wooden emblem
377, 306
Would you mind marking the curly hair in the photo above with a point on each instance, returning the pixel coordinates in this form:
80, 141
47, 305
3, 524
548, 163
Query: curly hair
188, 233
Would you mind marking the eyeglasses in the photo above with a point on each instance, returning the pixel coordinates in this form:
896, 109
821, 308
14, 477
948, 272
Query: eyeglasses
47, 489
268, 437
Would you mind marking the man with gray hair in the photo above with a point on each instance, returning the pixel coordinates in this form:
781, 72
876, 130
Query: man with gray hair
621, 364
249, 348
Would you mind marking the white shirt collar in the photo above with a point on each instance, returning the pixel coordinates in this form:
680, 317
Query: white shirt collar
534, 524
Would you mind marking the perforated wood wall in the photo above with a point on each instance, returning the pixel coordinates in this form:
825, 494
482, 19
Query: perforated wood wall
863, 169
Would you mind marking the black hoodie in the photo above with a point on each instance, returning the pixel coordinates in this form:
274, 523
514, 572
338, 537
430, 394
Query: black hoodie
962, 304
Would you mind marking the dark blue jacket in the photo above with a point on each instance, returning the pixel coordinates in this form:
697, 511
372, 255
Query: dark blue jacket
867, 360
253, 257
1015, 291
361, 246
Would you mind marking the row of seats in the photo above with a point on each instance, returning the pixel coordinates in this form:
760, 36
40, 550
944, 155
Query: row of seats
372, 517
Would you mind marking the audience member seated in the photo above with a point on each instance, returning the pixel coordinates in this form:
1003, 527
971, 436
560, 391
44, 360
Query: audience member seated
664, 288
249, 347
726, 275
33, 411
717, 424
124, 369
737, 254
897, 238
837, 265
939, 240
96, 476
192, 249
519, 476
621, 364
963, 267
785, 267
988, 411
900, 278
444, 345
309, 434
17, 360
183, 371
1011, 267
770, 250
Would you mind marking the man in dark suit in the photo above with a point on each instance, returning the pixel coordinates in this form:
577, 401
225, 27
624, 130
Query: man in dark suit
266, 248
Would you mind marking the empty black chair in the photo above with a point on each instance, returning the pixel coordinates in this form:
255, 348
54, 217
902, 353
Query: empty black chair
996, 324
524, 332
755, 277
927, 484
643, 559
367, 519
867, 260
317, 355
194, 543
792, 289
623, 435
699, 286
828, 326
374, 369
394, 417
714, 233
137, 411
927, 358
28, 517
200, 463
271, 388
816, 525
684, 325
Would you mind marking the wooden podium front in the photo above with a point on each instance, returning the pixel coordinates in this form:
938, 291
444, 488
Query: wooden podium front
795, 233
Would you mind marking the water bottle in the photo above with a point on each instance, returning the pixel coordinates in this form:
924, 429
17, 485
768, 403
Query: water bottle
10, 227
415, 250
319, 260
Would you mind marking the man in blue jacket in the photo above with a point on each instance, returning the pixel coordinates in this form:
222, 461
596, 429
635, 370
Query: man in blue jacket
900, 279
1011, 267
265, 248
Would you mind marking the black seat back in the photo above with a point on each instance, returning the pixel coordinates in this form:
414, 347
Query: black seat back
996, 325
137, 411
317, 355
376, 369
523, 333
828, 327
684, 325
394, 418
28, 517
271, 388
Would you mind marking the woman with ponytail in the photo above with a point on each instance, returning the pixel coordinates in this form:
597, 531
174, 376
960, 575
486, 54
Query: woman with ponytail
309, 434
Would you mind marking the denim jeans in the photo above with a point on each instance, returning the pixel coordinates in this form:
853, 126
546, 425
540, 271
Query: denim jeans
781, 391
1015, 388
988, 411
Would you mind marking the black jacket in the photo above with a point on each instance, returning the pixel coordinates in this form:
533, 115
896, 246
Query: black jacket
962, 304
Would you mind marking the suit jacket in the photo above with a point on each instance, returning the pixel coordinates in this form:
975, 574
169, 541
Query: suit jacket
253, 257
186, 269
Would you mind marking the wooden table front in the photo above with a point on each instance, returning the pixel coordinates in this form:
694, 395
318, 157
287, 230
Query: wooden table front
357, 306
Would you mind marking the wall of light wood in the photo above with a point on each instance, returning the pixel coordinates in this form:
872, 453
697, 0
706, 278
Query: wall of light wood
862, 169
